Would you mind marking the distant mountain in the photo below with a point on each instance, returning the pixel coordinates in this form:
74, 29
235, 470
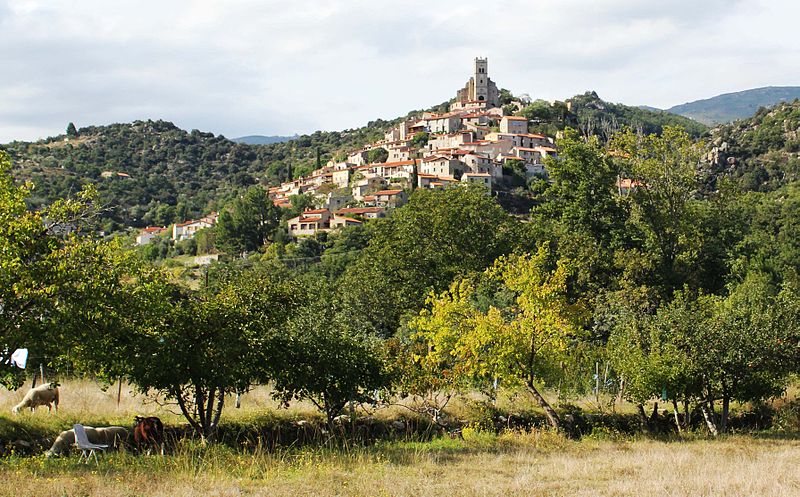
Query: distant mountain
732, 106
263, 140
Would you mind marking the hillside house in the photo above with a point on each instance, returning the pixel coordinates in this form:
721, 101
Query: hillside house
366, 186
364, 212
147, 234
440, 165
187, 229
435, 182
390, 198
483, 179
514, 125
312, 221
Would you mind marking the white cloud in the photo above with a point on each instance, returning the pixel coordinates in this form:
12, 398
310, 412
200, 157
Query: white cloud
279, 67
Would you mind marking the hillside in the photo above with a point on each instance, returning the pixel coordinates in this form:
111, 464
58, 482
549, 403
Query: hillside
594, 116
739, 105
168, 174
763, 152
154, 173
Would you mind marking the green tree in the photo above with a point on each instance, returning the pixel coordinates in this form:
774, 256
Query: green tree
422, 247
247, 222
72, 132
377, 155
524, 344
582, 212
193, 349
50, 272
664, 205
328, 358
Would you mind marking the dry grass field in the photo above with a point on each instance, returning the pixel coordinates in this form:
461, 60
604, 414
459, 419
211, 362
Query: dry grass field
538, 463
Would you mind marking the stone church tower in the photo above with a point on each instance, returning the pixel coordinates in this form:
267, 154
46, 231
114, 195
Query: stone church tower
479, 88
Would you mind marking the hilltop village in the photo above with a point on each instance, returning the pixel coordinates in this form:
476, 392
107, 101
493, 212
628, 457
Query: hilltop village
474, 142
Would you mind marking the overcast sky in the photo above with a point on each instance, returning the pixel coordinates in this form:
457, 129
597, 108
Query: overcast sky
241, 67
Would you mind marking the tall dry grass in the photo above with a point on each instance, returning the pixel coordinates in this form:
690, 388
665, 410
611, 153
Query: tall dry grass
538, 463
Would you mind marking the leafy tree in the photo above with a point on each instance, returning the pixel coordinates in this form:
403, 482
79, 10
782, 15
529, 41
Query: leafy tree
423, 246
193, 350
328, 358
377, 155
49, 271
583, 213
664, 205
247, 223
72, 132
420, 139
524, 344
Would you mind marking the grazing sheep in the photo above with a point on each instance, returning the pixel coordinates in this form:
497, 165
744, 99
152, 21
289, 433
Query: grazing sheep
113, 436
43, 395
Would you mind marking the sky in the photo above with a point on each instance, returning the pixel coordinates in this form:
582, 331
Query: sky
279, 67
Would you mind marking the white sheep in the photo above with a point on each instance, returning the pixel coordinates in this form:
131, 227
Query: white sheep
113, 436
43, 395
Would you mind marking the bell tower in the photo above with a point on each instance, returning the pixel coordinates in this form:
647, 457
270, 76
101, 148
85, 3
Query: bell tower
481, 80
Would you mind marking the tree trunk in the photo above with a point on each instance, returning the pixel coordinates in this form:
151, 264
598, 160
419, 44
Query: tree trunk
643, 418
677, 418
708, 415
687, 414
552, 415
726, 404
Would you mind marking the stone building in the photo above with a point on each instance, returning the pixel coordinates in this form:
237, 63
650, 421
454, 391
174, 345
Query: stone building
480, 88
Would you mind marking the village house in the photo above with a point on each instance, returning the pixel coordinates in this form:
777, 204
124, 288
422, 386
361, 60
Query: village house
489, 148
514, 125
390, 198
312, 221
365, 212
445, 123
367, 185
187, 230
434, 182
395, 170
441, 165
147, 234
341, 178
483, 179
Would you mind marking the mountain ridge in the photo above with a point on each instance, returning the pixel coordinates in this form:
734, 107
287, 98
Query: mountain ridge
728, 107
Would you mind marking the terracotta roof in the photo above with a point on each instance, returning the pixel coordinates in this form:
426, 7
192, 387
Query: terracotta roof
515, 118
359, 210
153, 229
350, 220
477, 174
315, 211
388, 192
306, 219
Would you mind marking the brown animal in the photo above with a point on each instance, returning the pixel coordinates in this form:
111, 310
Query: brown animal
148, 432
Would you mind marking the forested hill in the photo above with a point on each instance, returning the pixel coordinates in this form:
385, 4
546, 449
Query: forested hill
154, 173
763, 152
739, 105
167, 173
594, 116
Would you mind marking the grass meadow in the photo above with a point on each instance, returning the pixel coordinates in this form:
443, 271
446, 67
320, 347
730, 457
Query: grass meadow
478, 463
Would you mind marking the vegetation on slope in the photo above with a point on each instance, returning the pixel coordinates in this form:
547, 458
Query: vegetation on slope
595, 117
762, 153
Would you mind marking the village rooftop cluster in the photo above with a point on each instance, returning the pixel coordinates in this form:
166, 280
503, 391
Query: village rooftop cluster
471, 143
